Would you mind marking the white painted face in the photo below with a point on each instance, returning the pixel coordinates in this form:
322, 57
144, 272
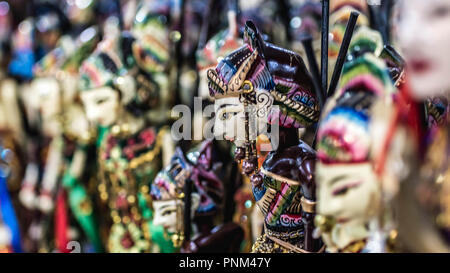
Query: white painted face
230, 118
49, 94
423, 35
77, 123
166, 212
101, 105
349, 193
49, 103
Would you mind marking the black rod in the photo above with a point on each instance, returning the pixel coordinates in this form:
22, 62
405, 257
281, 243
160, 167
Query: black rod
377, 22
187, 209
284, 8
314, 69
324, 49
120, 15
343, 52
386, 11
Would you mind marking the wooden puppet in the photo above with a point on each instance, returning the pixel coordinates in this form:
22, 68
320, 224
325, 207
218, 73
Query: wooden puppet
202, 167
129, 150
349, 192
66, 128
419, 180
150, 51
257, 85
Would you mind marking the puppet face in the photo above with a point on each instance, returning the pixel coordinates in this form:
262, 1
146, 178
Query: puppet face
349, 190
166, 214
49, 96
230, 117
351, 193
229, 122
102, 105
424, 37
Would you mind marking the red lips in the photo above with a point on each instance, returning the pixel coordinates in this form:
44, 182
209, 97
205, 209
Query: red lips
419, 66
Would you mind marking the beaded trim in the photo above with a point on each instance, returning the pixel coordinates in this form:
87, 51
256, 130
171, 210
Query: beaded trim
280, 178
299, 233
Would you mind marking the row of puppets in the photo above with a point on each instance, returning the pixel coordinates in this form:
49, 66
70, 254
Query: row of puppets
330, 125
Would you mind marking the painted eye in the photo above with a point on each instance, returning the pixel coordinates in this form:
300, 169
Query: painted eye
227, 115
168, 212
344, 189
100, 101
341, 191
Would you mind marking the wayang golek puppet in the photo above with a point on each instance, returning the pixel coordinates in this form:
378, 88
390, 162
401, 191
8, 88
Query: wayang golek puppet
345, 141
349, 191
149, 50
219, 46
12, 131
419, 181
65, 126
274, 82
202, 168
129, 150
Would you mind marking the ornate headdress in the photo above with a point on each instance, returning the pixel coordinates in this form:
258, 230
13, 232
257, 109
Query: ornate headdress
218, 46
260, 65
198, 166
343, 135
169, 183
151, 28
53, 61
103, 67
67, 57
339, 15
207, 183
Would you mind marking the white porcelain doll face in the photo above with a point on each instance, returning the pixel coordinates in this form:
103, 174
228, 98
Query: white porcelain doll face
423, 35
230, 117
166, 212
101, 105
351, 193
